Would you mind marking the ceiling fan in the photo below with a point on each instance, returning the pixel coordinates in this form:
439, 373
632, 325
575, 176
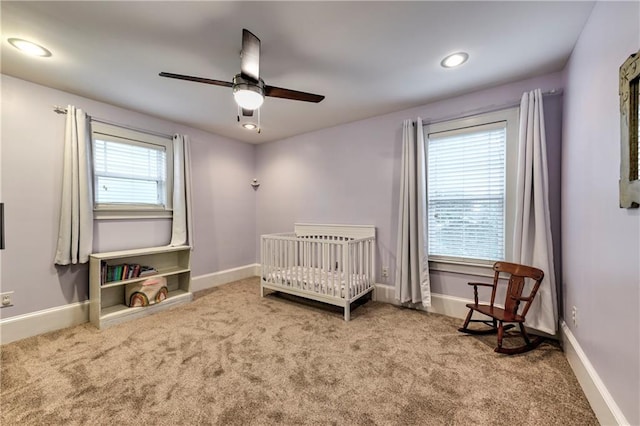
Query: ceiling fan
249, 89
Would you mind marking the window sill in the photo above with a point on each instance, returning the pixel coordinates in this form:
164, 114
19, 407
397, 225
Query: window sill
131, 214
477, 268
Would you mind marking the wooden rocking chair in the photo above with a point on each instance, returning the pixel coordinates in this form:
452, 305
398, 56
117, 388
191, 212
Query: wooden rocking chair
517, 274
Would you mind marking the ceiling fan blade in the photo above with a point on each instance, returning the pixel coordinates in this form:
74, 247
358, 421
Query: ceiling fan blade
279, 92
196, 79
250, 65
247, 112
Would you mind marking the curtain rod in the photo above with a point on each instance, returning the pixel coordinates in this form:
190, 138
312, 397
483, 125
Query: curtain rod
486, 109
61, 110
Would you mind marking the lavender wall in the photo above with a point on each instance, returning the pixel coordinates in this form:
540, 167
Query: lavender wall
601, 242
350, 173
32, 139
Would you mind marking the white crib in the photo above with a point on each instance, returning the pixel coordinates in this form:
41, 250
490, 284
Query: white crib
329, 263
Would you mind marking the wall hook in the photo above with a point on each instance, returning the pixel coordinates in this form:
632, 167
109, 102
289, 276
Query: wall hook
255, 183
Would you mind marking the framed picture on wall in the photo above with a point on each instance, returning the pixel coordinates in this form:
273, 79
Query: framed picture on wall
1, 226
630, 132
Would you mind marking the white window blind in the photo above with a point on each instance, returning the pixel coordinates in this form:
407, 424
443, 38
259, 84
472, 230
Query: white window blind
129, 173
466, 192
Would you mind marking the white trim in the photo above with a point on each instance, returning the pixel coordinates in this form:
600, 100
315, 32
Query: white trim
107, 214
602, 403
138, 252
39, 322
215, 279
476, 269
442, 304
450, 306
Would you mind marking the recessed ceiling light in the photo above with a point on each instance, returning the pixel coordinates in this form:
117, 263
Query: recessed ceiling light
28, 47
455, 60
249, 126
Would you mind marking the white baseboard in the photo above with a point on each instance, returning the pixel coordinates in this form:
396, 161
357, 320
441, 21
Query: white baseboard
602, 403
384, 293
215, 279
34, 323
443, 304
39, 322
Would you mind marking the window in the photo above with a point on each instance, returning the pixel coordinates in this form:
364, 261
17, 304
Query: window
470, 179
132, 173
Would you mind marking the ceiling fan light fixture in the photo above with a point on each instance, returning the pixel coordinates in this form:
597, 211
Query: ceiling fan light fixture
455, 60
248, 98
28, 47
248, 94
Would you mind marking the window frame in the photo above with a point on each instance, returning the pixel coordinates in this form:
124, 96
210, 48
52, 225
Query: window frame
109, 132
482, 267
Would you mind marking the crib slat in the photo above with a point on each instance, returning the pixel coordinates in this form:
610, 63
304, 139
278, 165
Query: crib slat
310, 270
321, 269
321, 266
305, 272
290, 262
333, 266
269, 259
345, 278
312, 278
274, 253
360, 265
276, 261
283, 280
287, 263
338, 266
300, 266
369, 267
283, 248
317, 267
304, 262
341, 269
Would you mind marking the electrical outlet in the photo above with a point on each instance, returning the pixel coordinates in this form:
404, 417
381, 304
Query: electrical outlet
385, 272
574, 316
7, 299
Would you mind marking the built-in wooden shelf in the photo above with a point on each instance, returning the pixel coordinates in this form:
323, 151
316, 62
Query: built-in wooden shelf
108, 305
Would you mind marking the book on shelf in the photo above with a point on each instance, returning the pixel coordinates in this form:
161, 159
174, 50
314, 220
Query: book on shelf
124, 271
103, 272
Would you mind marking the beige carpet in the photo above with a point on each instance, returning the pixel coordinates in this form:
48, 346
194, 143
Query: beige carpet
231, 357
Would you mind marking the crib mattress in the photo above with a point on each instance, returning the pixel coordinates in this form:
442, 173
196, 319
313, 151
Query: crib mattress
331, 283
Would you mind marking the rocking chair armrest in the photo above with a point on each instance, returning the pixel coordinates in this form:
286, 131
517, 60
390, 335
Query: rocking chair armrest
475, 290
521, 298
481, 284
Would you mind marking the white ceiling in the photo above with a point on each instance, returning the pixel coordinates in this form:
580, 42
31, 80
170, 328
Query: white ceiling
367, 58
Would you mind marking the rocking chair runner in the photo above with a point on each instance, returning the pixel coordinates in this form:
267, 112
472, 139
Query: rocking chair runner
517, 274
